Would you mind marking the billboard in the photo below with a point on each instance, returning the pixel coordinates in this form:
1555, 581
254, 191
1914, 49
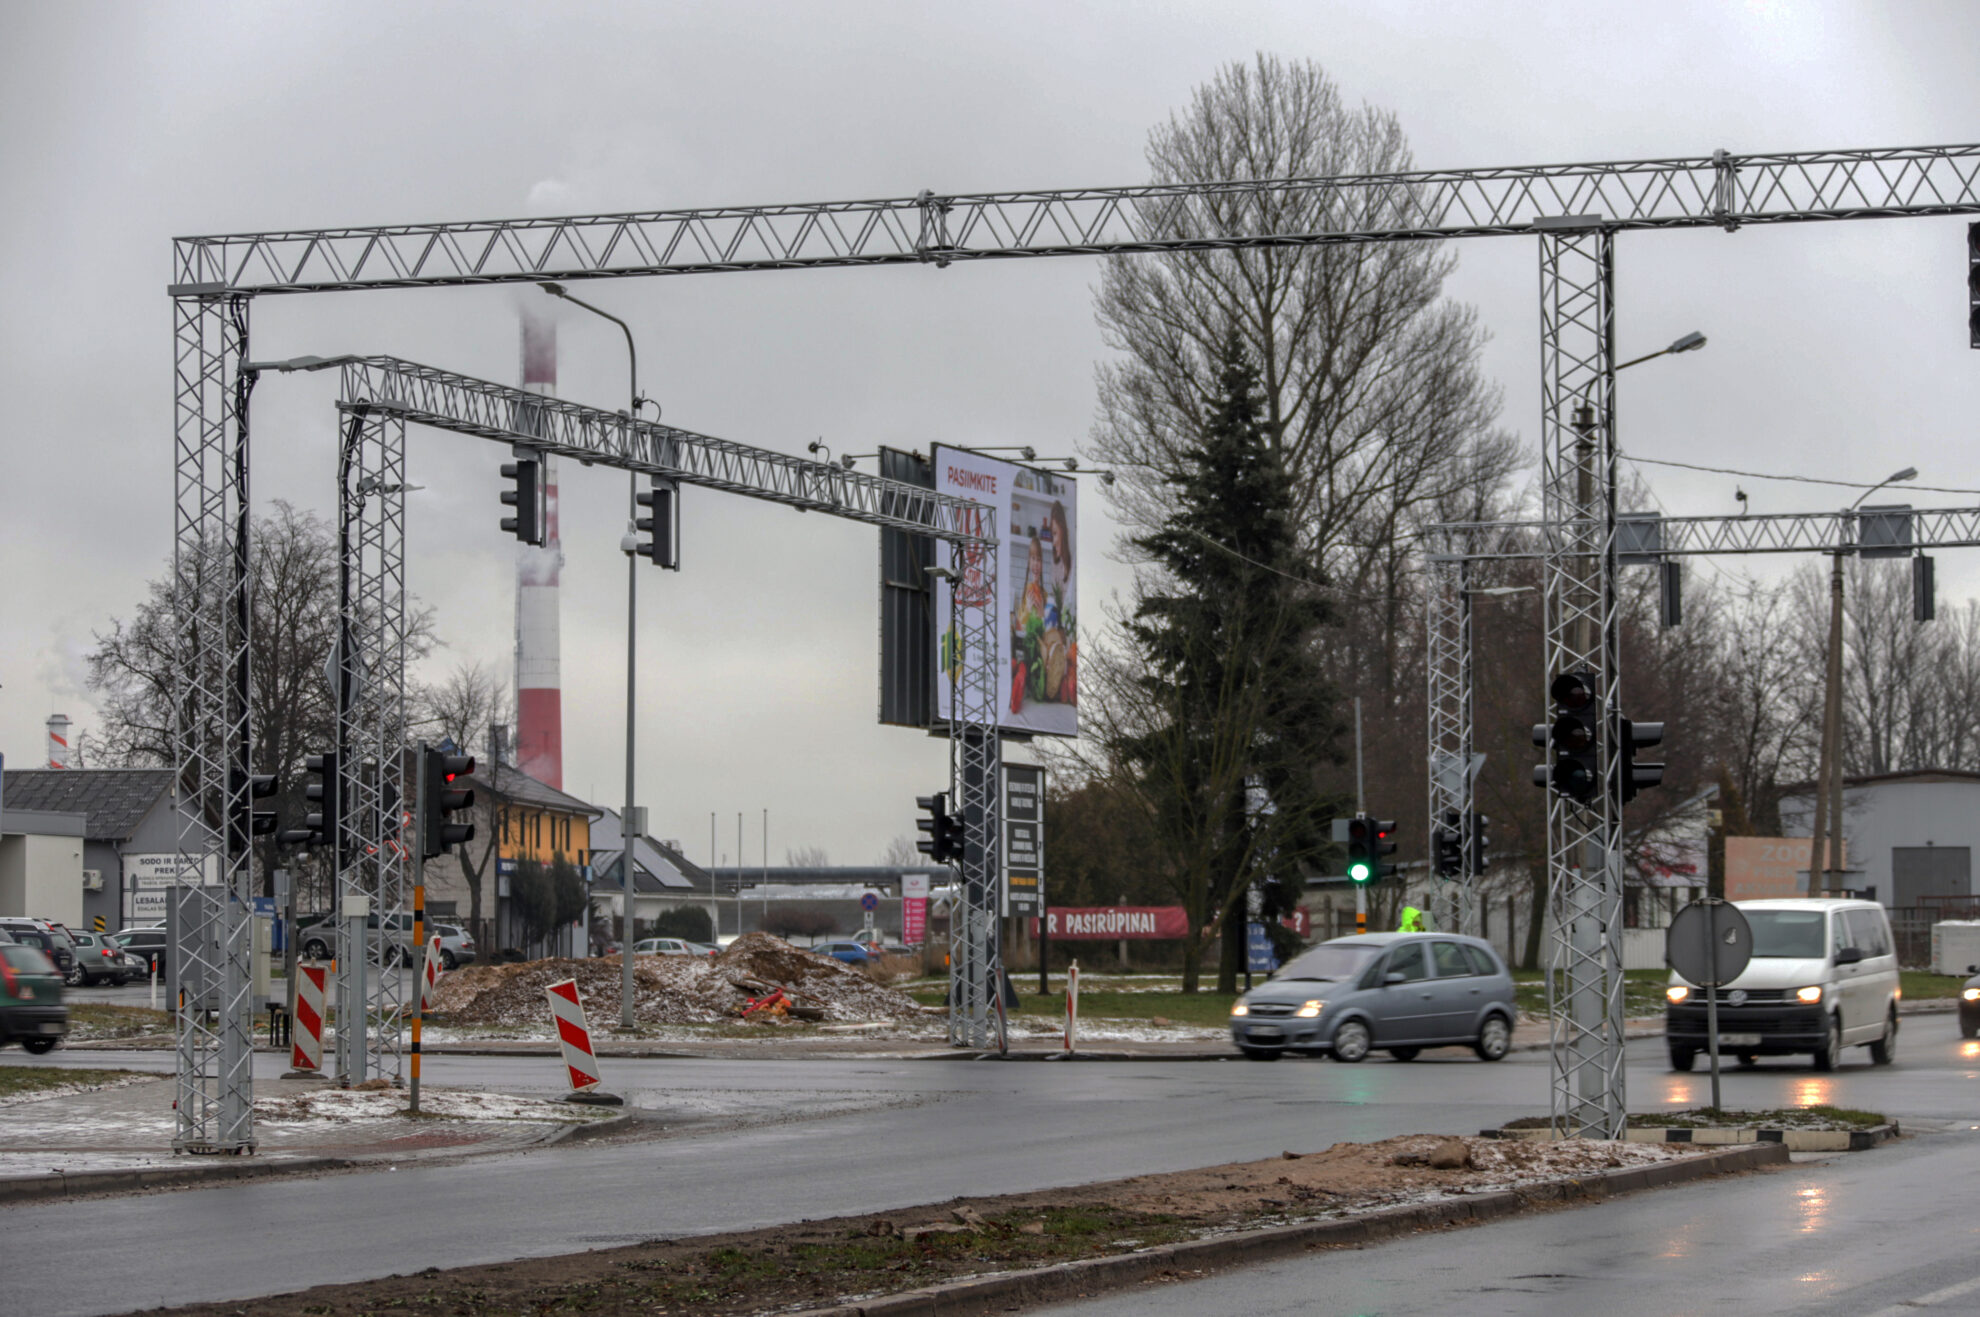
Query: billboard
1761, 867
1115, 923
907, 636
1035, 613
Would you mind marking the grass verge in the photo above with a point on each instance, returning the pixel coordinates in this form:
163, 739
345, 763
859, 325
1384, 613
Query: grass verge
20, 1081
1919, 985
101, 1020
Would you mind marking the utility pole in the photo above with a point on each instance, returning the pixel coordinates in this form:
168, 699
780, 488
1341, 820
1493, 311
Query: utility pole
1360, 808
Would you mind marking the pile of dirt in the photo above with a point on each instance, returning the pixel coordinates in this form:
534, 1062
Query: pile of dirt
673, 989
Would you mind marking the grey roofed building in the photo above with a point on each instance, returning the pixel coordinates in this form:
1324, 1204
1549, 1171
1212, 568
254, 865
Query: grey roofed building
114, 800
663, 878
130, 825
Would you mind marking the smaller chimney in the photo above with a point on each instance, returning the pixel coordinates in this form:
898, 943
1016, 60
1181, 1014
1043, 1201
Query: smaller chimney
59, 754
498, 743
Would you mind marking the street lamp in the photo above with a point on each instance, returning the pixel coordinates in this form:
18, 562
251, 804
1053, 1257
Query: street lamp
629, 544
1825, 838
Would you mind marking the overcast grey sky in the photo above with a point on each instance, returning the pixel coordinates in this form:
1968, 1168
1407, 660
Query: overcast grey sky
1836, 350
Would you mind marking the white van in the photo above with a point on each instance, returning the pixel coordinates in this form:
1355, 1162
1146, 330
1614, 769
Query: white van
1823, 977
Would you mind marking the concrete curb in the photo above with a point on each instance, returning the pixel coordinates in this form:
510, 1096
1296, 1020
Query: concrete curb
1090, 1276
1793, 1140
66, 1184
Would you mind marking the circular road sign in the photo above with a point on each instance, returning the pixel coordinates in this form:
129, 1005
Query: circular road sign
869, 902
1709, 943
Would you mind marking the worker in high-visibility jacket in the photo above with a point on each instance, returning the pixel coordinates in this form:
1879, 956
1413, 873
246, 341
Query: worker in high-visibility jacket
1412, 921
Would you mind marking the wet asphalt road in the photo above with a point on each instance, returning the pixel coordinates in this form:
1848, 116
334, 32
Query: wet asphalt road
820, 1138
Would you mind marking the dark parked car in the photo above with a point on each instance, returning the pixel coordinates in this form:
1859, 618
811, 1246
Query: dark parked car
1396, 992
52, 941
99, 960
31, 1010
147, 944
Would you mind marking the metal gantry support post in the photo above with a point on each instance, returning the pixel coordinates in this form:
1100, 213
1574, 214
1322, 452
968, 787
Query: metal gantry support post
212, 585
371, 739
1584, 859
1447, 600
975, 786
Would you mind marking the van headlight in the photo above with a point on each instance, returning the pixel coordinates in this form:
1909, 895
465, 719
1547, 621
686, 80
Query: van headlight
1808, 996
1239, 1008
1971, 994
1676, 993
1311, 1010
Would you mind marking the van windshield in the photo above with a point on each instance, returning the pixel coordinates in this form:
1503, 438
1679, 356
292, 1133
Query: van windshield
1789, 934
1330, 960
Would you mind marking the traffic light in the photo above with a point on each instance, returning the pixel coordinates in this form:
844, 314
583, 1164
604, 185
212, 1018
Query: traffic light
1479, 843
439, 797
1973, 281
526, 498
944, 840
1635, 776
1577, 770
1364, 864
320, 825
662, 502
1448, 842
245, 821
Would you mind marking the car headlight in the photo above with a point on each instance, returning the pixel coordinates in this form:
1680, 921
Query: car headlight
1971, 994
1677, 992
1808, 996
1311, 1010
1239, 1008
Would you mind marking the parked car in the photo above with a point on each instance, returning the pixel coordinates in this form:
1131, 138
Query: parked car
456, 946
99, 960
852, 953
664, 946
52, 940
31, 1010
146, 944
317, 935
705, 949
1824, 976
1396, 992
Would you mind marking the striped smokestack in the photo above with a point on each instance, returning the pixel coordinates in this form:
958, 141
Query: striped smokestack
59, 754
539, 678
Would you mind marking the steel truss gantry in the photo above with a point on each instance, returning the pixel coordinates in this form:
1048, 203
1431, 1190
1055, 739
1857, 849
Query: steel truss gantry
1455, 547
214, 275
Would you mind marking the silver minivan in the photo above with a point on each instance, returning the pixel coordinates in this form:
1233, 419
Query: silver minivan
1394, 992
1824, 976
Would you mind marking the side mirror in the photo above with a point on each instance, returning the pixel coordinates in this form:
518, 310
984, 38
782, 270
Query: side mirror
1849, 955
1973, 969
1393, 976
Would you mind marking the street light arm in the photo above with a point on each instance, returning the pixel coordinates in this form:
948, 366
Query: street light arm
632, 352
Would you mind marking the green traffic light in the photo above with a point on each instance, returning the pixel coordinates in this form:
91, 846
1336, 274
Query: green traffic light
1358, 872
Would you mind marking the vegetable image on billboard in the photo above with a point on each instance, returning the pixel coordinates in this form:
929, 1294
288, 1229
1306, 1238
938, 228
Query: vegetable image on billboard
1036, 608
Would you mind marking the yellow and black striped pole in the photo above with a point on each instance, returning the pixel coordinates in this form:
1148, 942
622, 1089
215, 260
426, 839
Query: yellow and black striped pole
419, 923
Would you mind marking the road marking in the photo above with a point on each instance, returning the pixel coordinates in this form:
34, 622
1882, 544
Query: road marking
1932, 1300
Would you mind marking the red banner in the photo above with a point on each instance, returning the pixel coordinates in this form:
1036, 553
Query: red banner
1300, 921
914, 920
1116, 923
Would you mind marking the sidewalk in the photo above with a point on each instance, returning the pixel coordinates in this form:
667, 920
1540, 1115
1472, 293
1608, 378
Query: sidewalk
120, 1138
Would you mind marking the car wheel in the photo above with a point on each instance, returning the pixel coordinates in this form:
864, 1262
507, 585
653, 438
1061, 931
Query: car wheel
1969, 1025
1405, 1053
75, 978
1829, 1055
1261, 1053
316, 949
1884, 1050
1747, 1060
449, 961
1351, 1041
1494, 1039
1683, 1058
39, 1046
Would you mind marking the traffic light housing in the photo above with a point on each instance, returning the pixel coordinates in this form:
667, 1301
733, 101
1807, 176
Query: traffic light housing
662, 503
1480, 842
526, 498
439, 798
1448, 844
1576, 771
245, 822
1368, 840
1635, 776
943, 842
320, 823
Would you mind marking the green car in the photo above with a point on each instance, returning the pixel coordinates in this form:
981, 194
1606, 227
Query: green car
31, 1010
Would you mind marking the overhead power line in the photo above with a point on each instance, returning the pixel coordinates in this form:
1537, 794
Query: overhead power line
1806, 480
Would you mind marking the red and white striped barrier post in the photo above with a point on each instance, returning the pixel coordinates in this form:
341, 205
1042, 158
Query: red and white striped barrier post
1072, 1005
430, 976
574, 1036
306, 1031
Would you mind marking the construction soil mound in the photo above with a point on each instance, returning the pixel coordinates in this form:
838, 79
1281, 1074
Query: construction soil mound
674, 989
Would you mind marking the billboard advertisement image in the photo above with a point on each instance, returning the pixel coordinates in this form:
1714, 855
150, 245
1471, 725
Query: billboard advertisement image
1036, 603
